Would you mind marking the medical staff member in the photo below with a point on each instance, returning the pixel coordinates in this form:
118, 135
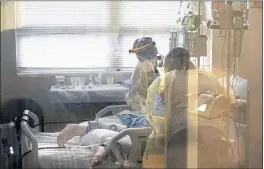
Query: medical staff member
133, 92
175, 82
146, 52
178, 71
177, 61
146, 70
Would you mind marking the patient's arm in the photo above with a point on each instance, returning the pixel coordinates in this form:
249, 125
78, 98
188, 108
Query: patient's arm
124, 147
100, 154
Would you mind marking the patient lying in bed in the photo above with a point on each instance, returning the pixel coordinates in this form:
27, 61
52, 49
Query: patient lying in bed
125, 119
97, 134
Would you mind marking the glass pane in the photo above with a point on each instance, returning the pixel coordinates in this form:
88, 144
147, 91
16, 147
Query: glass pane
63, 13
64, 51
149, 13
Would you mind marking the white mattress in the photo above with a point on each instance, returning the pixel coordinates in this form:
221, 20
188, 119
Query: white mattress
50, 139
73, 156
70, 157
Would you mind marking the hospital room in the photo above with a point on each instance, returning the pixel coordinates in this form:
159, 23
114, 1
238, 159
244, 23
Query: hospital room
131, 84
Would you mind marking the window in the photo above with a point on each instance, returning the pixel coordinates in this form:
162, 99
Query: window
60, 36
55, 35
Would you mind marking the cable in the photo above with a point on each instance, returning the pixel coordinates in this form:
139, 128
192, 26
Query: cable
20, 116
223, 48
61, 122
233, 85
21, 158
18, 119
26, 153
237, 128
237, 140
234, 60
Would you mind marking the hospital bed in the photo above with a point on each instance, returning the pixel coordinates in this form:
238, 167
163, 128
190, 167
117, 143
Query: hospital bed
46, 154
41, 150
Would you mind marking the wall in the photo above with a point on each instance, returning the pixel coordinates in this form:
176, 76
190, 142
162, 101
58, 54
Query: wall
36, 88
13, 86
250, 68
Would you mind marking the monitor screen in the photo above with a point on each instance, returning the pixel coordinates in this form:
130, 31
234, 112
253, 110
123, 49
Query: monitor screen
185, 20
202, 108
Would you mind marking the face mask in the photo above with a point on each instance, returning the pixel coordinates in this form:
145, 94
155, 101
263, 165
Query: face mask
154, 62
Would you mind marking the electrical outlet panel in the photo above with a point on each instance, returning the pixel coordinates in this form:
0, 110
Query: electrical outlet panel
198, 46
238, 22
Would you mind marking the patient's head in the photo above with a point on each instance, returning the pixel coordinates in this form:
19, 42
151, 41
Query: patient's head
178, 59
146, 52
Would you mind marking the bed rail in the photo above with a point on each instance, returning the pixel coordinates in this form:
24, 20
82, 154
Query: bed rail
137, 136
114, 110
28, 139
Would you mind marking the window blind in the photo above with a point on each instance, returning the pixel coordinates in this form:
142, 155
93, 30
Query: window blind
146, 18
63, 34
89, 34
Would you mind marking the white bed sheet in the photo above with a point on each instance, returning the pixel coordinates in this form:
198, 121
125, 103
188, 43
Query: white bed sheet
73, 156
50, 139
69, 157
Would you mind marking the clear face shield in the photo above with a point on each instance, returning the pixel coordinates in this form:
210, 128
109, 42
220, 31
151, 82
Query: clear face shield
160, 60
147, 65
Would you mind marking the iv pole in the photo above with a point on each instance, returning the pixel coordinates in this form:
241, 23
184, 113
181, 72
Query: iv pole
199, 14
228, 63
228, 57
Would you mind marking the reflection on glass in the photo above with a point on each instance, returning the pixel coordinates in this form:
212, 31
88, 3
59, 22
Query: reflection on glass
110, 80
74, 81
64, 51
81, 82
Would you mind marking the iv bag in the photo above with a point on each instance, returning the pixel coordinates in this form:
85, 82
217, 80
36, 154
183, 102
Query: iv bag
179, 38
208, 11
